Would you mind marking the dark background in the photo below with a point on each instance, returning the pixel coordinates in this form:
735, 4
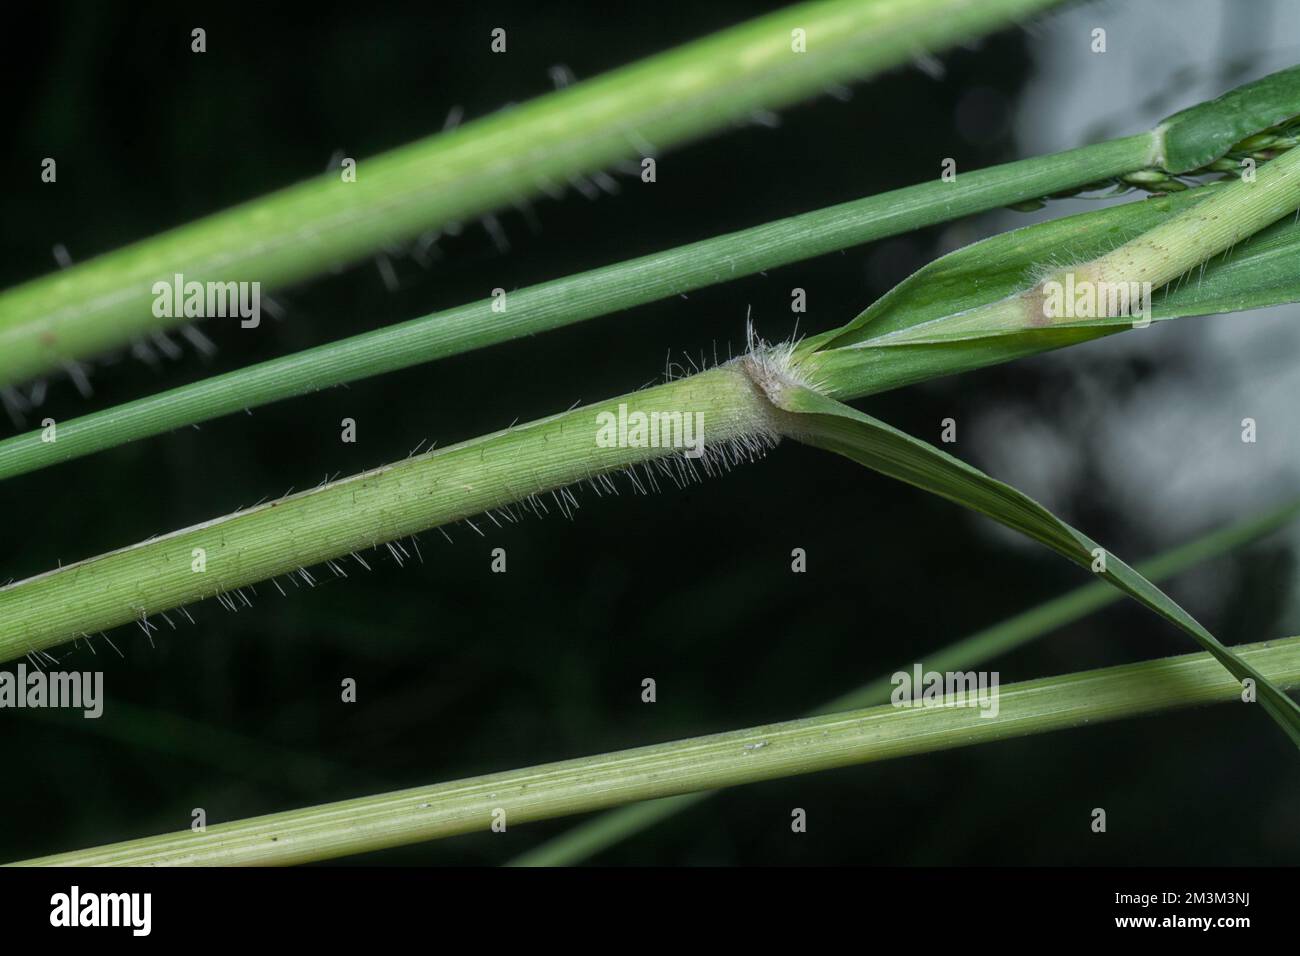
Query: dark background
461, 671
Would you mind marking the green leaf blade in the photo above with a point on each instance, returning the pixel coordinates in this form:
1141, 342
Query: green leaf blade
826, 423
590, 837
1201, 134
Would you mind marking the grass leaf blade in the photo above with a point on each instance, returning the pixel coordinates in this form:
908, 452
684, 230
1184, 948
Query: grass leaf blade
826, 423
590, 837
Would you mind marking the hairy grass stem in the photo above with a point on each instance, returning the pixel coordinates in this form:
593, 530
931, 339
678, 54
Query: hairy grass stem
499, 160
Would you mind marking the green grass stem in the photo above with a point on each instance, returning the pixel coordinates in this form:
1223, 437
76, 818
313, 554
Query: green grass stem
702, 763
573, 299
503, 158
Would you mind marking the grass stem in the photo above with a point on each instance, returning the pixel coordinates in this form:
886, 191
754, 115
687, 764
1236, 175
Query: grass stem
499, 160
701, 763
